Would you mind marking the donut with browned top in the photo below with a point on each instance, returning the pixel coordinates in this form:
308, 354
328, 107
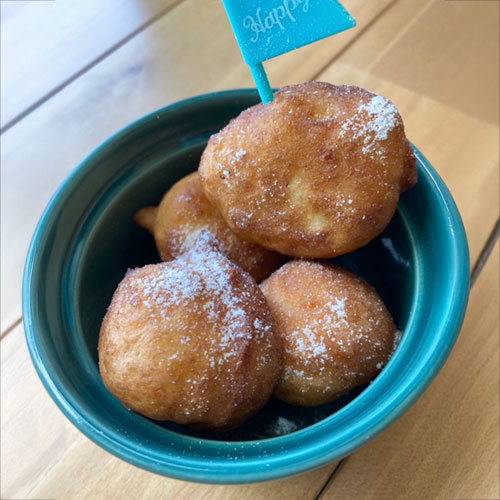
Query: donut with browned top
190, 341
336, 332
315, 173
184, 212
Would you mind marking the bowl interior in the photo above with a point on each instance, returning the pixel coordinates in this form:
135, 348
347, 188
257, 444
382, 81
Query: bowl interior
87, 239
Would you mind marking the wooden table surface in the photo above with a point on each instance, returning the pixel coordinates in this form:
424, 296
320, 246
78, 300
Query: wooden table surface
73, 73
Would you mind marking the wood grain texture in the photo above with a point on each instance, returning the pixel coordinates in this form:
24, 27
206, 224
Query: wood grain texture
463, 40
163, 64
44, 456
445, 50
446, 446
46, 43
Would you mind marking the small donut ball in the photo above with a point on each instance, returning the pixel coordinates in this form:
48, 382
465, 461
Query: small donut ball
190, 341
185, 211
315, 173
335, 330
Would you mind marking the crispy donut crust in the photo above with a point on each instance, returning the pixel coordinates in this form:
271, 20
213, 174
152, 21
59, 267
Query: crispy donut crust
315, 173
185, 211
336, 332
190, 341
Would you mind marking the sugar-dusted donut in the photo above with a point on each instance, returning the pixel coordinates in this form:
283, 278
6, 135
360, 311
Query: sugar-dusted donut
185, 211
190, 341
336, 332
315, 173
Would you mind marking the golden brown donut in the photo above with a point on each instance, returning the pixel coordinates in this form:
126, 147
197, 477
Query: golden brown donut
146, 218
336, 332
185, 211
315, 173
190, 341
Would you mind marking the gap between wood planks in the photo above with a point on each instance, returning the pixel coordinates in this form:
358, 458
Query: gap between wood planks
10, 328
485, 253
86, 68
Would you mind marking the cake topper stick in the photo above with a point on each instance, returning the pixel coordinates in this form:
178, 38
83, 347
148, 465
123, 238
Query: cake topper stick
268, 28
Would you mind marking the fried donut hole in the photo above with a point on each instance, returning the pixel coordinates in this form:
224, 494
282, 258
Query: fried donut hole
185, 211
315, 173
190, 341
336, 332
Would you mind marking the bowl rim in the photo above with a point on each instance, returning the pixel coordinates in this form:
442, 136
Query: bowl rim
330, 447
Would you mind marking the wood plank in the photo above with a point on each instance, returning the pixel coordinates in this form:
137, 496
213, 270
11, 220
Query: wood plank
44, 456
462, 37
447, 445
165, 63
46, 43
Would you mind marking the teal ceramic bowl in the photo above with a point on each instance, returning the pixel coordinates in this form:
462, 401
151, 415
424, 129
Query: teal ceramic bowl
86, 240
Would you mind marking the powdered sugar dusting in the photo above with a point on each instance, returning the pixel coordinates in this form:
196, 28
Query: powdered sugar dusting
281, 427
397, 340
239, 154
335, 330
382, 118
200, 286
176, 282
201, 271
306, 340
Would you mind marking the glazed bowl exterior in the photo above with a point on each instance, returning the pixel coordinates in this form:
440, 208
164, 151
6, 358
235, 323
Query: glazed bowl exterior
86, 240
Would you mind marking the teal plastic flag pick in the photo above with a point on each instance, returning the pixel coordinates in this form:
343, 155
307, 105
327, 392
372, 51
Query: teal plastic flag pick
268, 28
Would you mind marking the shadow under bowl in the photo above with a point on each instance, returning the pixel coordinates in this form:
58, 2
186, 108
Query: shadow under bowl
86, 240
